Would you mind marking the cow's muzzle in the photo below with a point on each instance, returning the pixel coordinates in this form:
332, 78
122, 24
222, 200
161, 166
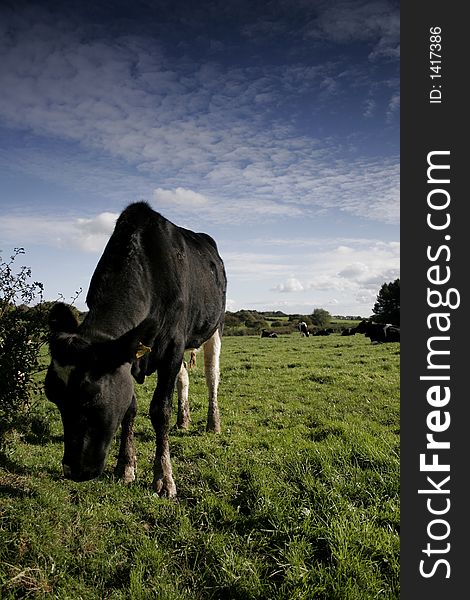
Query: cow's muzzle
83, 475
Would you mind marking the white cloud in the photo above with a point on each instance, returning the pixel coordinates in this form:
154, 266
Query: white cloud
92, 234
377, 21
88, 234
247, 266
370, 106
291, 285
393, 106
22, 230
231, 305
181, 198
353, 271
341, 249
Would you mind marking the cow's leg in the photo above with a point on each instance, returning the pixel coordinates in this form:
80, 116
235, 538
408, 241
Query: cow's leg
182, 386
192, 359
211, 368
126, 463
160, 414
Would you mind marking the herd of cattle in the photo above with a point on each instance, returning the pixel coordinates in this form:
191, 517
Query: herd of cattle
378, 333
157, 291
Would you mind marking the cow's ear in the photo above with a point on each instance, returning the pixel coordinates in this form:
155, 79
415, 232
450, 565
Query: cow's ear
68, 348
128, 348
62, 319
138, 342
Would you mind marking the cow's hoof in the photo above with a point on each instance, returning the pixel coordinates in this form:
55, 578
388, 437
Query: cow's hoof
183, 425
213, 427
126, 473
165, 488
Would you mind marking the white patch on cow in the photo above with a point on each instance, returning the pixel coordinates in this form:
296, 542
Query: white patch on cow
129, 474
211, 368
182, 386
63, 372
163, 482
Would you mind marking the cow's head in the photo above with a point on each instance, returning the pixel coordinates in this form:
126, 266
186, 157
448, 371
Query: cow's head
362, 327
91, 384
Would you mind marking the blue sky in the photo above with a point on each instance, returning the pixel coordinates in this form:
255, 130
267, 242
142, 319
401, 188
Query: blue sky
273, 126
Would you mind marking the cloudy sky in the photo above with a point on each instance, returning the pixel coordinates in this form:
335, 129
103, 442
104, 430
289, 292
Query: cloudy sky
273, 126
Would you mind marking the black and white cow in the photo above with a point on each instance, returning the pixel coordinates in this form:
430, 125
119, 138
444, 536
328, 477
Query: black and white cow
302, 327
268, 334
378, 332
157, 291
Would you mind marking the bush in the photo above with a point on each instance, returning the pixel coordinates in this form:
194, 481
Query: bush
321, 318
22, 333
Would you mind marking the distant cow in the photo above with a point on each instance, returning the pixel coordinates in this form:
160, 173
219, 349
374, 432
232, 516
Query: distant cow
157, 290
349, 331
322, 332
379, 332
269, 334
302, 327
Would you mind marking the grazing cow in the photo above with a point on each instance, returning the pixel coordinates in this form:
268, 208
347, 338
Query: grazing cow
268, 334
302, 327
378, 332
157, 291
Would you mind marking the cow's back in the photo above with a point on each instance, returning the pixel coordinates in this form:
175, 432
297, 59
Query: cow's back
152, 267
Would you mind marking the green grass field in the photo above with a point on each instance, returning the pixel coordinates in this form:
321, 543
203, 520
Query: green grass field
297, 499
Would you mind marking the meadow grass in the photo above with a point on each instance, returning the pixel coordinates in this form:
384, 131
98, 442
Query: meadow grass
297, 498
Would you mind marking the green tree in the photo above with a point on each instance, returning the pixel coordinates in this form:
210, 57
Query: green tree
22, 334
387, 307
321, 317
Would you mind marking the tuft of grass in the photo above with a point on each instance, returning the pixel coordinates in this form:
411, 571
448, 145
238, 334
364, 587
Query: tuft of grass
297, 498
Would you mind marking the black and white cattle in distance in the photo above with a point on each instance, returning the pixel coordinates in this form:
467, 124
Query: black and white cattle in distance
378, 333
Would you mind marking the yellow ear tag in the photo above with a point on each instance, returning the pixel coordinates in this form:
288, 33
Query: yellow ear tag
142, 350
